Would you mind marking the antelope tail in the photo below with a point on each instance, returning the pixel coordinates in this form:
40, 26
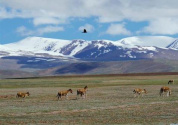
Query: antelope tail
77, 92
170, 92
57, 95
161, 91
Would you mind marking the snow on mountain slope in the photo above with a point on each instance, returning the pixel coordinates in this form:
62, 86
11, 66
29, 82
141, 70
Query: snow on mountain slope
49, 44
158, 41
78, 46
87, 49
4, 48
5, 51
173, 45
39, 45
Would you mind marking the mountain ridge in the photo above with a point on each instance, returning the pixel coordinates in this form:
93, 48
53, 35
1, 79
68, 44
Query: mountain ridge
67, 48
173, 45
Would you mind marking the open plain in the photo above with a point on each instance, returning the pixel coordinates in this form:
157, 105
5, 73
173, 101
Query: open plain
110, 100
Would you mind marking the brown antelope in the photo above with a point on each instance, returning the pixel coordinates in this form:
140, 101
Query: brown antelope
64, 93
23, 95
165, 89
139, 92
82, 92
171, 82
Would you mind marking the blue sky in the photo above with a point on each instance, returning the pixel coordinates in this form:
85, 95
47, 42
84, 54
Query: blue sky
105, 19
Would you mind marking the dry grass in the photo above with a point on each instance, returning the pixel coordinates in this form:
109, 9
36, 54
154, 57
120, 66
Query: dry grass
110, 101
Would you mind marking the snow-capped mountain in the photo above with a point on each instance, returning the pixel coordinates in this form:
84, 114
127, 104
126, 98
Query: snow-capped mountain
173, 45
158, 41
54, 56
128, 48
39, 45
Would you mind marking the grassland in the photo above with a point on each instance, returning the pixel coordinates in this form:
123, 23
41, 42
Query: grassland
110, 101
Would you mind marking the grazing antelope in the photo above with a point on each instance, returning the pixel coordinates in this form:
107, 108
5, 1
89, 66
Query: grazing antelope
171, 82
139, 92
82, 92
23, 95
165, 89
64, 93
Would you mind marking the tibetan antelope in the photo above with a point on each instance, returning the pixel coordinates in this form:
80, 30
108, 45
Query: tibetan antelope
139, 92
82, 92
171, 82
64, 93
165, 89
23, 95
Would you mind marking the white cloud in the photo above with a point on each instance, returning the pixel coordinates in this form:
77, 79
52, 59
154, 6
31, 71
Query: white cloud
23, 31
106, 11
47, 20
88, 27
164, 26
8, 14
117, 29
49, 29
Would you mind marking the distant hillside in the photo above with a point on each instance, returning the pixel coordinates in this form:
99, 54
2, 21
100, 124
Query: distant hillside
15, 69
115, 67
16, 74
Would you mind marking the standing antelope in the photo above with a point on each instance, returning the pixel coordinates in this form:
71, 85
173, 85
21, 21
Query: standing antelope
64, 93
23, 95
139, 92
165, 89
171, 81
82, 92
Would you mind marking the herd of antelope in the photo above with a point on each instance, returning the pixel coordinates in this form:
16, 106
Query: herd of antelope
83, 92
164, 89
80, 92
139, 92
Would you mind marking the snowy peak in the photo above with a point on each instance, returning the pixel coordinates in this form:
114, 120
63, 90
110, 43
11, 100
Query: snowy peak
131, 47
3, 48
173, 45
37, 44
158, 41
102, 43
74, 47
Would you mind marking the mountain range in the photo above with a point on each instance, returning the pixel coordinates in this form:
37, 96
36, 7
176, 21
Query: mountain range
34, 54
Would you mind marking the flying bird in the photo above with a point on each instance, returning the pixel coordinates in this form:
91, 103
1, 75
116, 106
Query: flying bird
84, 31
